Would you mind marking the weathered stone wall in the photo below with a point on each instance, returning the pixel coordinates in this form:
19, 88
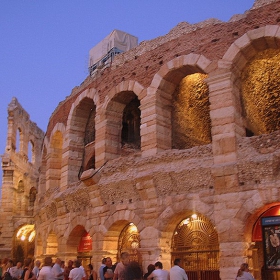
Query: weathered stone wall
228, 181
20, 174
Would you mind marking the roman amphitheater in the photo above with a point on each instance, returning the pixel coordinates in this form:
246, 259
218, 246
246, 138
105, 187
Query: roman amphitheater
169, 149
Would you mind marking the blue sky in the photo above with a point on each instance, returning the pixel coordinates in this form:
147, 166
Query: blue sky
44, 44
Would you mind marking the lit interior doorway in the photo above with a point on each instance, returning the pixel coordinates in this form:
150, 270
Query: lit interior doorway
195, 242
129, 241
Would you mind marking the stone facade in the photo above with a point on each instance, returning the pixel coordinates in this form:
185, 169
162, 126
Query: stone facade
20, 164
101, 187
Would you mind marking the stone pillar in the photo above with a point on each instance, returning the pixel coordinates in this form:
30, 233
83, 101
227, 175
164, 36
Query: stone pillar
232, 255
156, 123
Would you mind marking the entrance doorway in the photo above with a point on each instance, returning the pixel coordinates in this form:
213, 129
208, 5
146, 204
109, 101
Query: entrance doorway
129, 241
195, 242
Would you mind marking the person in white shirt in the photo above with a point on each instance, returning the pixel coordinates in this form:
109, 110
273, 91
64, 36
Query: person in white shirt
77, 273
16, 271
36, 268
46, 271
121, 266
56, 270
176, 272
159, 273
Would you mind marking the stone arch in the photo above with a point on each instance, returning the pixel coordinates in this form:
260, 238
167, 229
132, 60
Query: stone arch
164, 227
23, 239
172, 215
239, 54
54, 157
74, 145
81, 221
158, 101
31, 151
111, 118
111, 229
74, 238
118, 217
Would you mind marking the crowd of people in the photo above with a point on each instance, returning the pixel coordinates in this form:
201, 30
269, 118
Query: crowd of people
73, 270
123, 270
131, 270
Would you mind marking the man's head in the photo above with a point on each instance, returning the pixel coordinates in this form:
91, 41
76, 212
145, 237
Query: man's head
177, 262
70, 263
125, 258
48, 261
58, 261
38, 263
19, 264
77, 263
158, 265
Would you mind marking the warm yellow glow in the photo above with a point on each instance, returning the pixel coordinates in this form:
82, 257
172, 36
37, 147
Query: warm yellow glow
26, 232
133, 228
260, 92
32, 236
186, 221
194, 216
191, 124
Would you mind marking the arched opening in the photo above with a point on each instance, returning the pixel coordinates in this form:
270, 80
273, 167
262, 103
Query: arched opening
18, 141
79, 245
123, 124
89, 153
24, 242
195, 242
31, 155
131, 125
129, 241
82, 138
181, 79
191, 125
260, 93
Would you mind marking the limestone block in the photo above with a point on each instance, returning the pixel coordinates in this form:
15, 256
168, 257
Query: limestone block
224, 82
225, 158
203, 62
232, 52
157, 79
191, 59
270, 33
222, 115
225, 128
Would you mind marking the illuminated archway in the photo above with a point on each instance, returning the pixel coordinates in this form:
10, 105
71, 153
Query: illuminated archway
24, 242
129, 241
195, 242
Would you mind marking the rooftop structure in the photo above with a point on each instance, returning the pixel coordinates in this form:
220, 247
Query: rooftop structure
104, 52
